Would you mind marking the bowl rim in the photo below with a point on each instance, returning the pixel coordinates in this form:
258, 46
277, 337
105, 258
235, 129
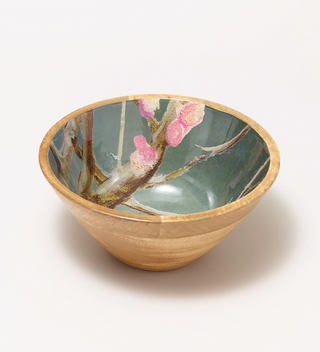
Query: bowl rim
258, 192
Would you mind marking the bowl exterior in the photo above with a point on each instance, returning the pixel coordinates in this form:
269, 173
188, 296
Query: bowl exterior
157, 246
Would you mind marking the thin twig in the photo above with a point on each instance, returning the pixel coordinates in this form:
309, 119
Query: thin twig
134, 204
225, 146
160, 180
56, 155
55, 151
121, 134
247, 187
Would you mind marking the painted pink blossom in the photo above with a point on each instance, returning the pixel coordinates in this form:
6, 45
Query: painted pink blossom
148, 107
144, 157
188, 116
175, 133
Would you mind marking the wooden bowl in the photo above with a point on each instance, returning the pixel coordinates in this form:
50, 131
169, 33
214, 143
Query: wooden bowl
159, 180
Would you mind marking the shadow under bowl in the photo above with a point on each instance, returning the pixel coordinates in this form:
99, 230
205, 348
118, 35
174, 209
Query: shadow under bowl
159, 180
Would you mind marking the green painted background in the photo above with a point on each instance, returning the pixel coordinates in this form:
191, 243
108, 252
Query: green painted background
208, 185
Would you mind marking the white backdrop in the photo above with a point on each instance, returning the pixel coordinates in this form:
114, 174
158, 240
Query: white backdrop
259, 289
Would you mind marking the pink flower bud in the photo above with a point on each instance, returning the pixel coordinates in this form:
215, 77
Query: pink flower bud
140, 142
175, 133
190, 114
144, 157
148, 107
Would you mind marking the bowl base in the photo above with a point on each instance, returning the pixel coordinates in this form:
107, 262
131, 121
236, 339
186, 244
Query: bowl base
158, 254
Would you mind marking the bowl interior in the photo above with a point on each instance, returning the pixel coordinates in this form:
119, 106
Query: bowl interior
159, 156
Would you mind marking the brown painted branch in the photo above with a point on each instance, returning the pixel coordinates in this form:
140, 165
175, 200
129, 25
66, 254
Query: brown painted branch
84, 188
77, 148
160, 135
122, 184
161, 180
134, 204
153, 125
99, 174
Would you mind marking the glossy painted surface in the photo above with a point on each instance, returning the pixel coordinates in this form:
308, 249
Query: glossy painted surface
191, 133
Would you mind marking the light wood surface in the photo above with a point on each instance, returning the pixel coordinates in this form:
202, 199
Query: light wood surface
159, 243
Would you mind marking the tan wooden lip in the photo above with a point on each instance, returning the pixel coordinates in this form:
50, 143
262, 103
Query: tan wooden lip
253, 195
